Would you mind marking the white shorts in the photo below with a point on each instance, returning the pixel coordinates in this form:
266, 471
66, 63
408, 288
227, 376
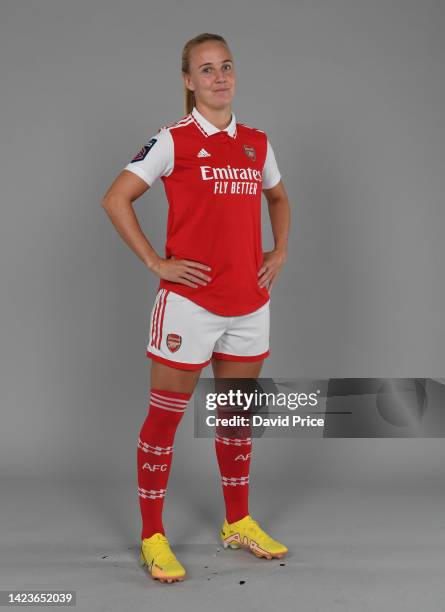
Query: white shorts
186, 336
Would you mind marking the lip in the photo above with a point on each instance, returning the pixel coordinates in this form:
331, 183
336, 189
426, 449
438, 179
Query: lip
218, 90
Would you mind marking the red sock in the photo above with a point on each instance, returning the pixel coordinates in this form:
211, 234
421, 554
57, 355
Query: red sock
155, 454
233, 454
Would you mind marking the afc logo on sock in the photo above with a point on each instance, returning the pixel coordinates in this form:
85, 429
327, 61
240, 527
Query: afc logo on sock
242, 457
156, 467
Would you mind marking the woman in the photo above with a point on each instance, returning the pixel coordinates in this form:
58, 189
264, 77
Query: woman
212, 304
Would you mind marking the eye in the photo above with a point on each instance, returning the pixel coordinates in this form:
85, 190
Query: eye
207, 68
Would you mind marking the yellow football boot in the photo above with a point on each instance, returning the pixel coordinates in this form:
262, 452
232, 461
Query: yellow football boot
162, 564
246, 533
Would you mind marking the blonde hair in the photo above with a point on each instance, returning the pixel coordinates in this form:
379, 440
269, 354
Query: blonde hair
189, 96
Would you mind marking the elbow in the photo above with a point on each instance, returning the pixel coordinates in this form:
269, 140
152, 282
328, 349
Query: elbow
104, 202
115, 201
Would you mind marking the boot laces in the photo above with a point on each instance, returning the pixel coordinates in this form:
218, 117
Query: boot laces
254, 529
161, 549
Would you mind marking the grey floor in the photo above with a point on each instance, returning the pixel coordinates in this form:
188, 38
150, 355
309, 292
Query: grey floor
351, 548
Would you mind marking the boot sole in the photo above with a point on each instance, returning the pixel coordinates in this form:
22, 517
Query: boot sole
269, 556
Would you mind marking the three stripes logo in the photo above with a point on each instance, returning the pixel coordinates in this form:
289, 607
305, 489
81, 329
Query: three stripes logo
203, 153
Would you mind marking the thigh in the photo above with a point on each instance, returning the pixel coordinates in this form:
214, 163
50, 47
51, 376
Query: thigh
170, 378
236, 369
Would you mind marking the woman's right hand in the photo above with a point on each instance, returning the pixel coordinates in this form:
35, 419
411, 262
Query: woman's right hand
183, 271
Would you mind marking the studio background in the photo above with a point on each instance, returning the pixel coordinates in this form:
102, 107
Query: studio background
351, 95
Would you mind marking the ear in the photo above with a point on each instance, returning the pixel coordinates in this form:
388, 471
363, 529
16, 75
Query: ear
187, 81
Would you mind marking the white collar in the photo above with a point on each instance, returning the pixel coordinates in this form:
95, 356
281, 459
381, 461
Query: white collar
209, 129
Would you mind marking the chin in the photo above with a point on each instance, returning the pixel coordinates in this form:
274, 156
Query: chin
223, 100
219, 104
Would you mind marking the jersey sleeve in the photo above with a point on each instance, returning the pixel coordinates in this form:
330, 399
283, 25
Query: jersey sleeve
271, 174
155, 159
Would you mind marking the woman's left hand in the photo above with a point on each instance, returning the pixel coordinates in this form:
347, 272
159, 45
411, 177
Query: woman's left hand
272, 264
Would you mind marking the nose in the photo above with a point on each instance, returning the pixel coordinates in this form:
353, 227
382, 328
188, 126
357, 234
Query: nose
220, 76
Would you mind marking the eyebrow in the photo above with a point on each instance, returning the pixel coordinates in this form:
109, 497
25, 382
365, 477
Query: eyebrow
210, 63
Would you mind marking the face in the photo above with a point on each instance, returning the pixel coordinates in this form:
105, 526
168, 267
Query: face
212, 74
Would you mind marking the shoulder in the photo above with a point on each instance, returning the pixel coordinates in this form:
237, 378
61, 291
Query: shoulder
164, 137
248, 128
247, 131
176, 125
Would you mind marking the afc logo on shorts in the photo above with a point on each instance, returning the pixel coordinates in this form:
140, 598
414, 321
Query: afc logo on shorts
173, 342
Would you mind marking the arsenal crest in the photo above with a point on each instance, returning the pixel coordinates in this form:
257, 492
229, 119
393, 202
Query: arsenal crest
250, 152
173, 342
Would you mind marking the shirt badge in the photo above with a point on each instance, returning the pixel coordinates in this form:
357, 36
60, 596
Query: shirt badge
250, 152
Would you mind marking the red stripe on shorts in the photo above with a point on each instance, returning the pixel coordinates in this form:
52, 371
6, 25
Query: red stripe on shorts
155, 318
162, 319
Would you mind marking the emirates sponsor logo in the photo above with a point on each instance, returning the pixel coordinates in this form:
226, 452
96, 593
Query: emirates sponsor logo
208, 173
173, 342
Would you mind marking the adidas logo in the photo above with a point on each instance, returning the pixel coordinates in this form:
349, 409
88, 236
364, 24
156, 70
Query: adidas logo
203, 153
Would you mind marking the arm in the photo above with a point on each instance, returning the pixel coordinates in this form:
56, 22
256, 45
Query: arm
279, 212
118, 204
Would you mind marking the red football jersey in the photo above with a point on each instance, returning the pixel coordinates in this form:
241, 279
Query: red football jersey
213, 181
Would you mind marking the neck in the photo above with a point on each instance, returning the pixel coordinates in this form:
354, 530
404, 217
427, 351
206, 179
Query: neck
219, 117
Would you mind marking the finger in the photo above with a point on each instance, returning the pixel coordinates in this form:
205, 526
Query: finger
262, 269
184, 281
266, 275
193, 278
196, 264
198, 274
264, 282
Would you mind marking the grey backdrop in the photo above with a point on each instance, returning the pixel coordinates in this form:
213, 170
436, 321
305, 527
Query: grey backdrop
351, 94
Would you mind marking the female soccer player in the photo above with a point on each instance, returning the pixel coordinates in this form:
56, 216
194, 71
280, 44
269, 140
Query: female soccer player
212, 303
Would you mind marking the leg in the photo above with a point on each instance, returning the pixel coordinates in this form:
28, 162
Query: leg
170, 392
236, 369
171, 379
179, 350
239, 529
233, 445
